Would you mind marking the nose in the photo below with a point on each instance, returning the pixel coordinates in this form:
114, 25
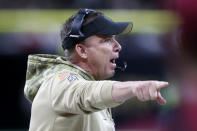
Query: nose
117, 46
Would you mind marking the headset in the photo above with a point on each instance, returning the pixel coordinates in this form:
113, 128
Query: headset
75, 33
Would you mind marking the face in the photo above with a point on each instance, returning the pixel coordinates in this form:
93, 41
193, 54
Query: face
102, 51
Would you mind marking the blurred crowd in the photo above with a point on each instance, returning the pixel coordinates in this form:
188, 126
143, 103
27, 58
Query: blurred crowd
169, 57
73, 4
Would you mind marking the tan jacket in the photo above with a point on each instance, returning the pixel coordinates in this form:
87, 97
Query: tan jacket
66, 98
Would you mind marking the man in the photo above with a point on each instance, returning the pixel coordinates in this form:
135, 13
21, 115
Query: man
70, 94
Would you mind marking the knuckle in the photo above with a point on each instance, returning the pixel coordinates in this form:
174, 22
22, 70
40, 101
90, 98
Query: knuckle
149, 84
138, 89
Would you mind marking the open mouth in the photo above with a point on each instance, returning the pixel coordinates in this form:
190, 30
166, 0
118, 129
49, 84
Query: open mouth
113, 61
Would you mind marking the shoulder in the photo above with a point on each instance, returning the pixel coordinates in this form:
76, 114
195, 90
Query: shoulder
68, 76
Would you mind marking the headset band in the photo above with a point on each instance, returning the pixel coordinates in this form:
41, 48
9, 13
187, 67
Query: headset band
75, 31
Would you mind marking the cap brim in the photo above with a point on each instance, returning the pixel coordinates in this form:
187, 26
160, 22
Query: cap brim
117, 28
102, 25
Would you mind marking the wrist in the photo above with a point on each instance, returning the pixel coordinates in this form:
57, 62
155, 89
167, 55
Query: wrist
122, 91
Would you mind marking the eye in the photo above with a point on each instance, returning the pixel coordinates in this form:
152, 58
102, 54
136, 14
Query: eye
108, 40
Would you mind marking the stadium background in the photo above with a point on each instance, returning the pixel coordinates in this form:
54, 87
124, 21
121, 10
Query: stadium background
152, 51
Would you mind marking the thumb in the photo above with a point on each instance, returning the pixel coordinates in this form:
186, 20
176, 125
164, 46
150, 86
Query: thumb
160, 99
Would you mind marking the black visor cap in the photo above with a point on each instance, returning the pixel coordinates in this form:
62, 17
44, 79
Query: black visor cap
102, 25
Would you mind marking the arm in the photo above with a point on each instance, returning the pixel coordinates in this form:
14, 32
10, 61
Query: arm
80, 96
143, 90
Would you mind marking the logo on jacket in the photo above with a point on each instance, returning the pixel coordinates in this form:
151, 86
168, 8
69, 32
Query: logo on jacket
71, 77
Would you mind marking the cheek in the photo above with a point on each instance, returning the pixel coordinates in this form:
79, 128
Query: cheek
105, 57
101, 52
100, 56
106, 52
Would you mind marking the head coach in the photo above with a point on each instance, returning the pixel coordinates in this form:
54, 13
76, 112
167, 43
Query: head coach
70, 93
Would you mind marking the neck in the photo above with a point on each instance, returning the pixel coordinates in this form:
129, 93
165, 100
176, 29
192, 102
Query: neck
84, 66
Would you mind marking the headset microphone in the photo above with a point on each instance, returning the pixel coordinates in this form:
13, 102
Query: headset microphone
123, 66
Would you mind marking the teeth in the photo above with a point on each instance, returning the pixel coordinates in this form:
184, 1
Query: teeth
112, 61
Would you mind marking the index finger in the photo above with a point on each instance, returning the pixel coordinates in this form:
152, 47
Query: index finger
161, 84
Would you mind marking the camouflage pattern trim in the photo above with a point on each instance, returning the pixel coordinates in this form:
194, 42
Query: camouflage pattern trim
42, 66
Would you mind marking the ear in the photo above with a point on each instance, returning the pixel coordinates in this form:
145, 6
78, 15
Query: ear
81, 51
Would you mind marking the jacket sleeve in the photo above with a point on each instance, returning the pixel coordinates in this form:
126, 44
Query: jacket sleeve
72, 94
